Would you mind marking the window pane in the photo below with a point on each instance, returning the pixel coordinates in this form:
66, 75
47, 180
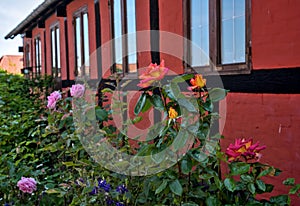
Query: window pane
199, 32
77, 45
86, 44
58, 51
38, 55
233, 35
131, 29
118, 33
27, 55
53, 48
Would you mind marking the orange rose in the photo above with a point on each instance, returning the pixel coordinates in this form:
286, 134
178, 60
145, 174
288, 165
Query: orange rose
197, 82
172, 113
153, 73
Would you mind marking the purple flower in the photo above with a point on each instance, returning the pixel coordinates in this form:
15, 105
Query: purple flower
79, 181
52, 99
119, 204
77, 90
27, 185
121, 189
102, 184
109, 201
94, 191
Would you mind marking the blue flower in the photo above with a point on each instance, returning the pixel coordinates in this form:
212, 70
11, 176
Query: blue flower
102, 184
121, 189
6, 204
119, 204
109, 201
94, 191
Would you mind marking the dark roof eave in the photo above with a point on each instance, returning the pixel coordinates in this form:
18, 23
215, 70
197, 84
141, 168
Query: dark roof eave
32, 17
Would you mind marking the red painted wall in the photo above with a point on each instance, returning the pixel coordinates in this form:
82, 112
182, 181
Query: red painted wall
272, 119
170, 20
143, 38
275, 33
105, 37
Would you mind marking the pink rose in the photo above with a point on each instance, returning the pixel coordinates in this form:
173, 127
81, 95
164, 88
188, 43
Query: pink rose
52, 99
153, 73
27, 185
77, 90
244, 148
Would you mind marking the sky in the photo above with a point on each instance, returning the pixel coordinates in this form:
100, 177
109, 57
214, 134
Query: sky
13, 12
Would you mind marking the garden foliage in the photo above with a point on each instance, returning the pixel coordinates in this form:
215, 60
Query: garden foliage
48, 145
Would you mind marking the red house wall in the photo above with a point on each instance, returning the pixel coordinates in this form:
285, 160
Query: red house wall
275, 34
170, 20
273, 119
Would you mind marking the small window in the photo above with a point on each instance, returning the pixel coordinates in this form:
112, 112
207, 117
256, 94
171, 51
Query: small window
81, 31
124, 51
219, 34
38, 56
55, 52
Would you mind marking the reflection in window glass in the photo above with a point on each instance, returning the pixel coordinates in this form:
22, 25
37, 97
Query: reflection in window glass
38, 60
199, 32
78, 45
117, 34
55, 52
86, 44
58, 49
82, 44
131, 29
233, 31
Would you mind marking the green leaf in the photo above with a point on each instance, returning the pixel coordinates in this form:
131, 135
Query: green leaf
247, 178
189, 204
158, 157
218, 183
176, 187
136, 120
230, 184
251, 188
211, 201
261, 185
199, 157
265, 172
294, 189
52, 191
147, 105
289, 181
140, 104
180, 140
183, 102
186, 166
269, 188
175, 90
281, 200
182, 78
217, 94
237, 168
101, 114
161, 187
157, 102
